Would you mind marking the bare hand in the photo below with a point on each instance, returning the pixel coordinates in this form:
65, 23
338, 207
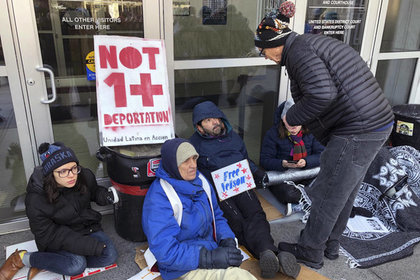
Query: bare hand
301, 163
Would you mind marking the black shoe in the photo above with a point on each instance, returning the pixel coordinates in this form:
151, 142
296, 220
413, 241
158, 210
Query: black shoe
269, 264
331, 252
288, 264
303, 256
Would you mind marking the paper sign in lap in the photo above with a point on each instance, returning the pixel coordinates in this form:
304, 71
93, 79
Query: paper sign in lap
233, 179
132, 91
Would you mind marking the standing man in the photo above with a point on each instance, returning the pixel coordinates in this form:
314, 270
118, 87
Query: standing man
339, 100
219, 146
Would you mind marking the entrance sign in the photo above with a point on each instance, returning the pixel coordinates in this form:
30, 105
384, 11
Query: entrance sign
132, 91
233, 179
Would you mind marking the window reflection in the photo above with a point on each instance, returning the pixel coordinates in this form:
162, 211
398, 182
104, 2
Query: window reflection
395, 78
402, 26
248, 96
214, 29
12, 172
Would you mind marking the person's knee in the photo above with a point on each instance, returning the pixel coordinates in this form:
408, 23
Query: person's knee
76, 266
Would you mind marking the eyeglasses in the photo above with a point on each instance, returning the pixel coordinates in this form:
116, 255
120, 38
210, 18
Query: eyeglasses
262, 54
63, 173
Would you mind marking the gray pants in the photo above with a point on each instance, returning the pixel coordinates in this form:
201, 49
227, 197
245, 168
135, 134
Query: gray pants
344, 163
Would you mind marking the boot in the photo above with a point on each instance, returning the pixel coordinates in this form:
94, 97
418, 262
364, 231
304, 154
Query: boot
331, 252
311, 258
11, 266
269, 264
32, 272
288, 264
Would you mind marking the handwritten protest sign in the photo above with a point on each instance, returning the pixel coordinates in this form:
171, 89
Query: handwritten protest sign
132, 91
233, 179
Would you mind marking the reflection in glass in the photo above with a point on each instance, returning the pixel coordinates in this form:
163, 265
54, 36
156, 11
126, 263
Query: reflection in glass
402, 26
66, 30
214, 30
345, 22
12, 173
248, 96
395, 78
1, 54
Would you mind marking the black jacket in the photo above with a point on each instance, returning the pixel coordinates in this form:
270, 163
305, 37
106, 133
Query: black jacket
333, 89
65, 224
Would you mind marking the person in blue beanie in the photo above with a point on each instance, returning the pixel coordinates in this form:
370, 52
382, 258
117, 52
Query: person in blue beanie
184, 226
68, 232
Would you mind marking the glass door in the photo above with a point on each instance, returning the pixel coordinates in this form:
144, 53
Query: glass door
56, 42
396, 58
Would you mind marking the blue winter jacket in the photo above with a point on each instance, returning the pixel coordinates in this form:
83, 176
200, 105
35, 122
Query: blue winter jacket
217, 152
275, 149
177, 248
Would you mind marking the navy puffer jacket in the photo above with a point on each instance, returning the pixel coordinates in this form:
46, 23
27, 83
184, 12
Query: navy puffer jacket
217, 152
333, 89
275, 149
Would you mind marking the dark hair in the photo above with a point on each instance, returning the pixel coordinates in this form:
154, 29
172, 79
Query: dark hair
283, 130
52, 189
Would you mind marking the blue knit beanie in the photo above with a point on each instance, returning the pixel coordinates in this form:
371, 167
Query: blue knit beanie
55, 155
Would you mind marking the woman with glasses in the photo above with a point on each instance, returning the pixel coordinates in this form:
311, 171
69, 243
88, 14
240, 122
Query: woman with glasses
67, 230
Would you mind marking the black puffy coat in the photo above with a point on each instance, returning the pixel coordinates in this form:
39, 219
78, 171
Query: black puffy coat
67, 223
333, 89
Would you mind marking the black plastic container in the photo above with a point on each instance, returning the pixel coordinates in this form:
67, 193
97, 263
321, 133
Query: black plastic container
128, 211
407, 126
131, 176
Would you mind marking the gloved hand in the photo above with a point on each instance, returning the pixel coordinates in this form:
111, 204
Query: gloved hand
227, 242
259, 177
221, 257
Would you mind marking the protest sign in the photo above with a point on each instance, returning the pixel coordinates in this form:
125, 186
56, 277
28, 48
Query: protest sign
233, 179
132, 91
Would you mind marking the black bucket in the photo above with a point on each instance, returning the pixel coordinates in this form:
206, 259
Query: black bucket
131, 170
407, 126
129, 210
131, 176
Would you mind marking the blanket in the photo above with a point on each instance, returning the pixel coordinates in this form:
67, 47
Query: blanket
390, 194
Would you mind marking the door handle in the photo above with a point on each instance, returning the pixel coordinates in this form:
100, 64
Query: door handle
53, 89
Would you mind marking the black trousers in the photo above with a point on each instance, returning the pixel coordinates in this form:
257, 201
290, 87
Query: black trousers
248, 221
286, 193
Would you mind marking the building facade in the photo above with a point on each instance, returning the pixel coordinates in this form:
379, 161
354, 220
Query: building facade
46, 46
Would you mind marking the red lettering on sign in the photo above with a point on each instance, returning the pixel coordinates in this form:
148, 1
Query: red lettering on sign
130, 57
109, 56
118, 81
146, 90
152, 59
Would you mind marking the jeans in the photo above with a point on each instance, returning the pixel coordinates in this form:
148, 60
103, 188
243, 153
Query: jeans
344, 163
66, 263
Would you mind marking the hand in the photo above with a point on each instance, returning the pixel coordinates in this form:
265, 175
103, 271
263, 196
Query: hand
287, 164
301, 163
228, 242
221, 257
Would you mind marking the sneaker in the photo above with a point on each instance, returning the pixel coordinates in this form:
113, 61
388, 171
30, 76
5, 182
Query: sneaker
269, 264
288, 264
303, 256
293, 208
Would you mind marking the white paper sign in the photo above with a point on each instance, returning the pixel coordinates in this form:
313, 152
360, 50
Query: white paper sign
233, 179
132, 91
145, 274
365, 224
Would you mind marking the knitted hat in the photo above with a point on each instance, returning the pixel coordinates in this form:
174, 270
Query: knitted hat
55, 155
287, 105
184, 152
274, 28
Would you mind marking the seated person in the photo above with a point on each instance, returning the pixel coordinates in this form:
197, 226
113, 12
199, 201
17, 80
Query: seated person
195, 243
67, 230
288, 147
219, 146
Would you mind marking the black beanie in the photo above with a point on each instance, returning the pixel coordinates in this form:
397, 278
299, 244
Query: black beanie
274, 28
55, 155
